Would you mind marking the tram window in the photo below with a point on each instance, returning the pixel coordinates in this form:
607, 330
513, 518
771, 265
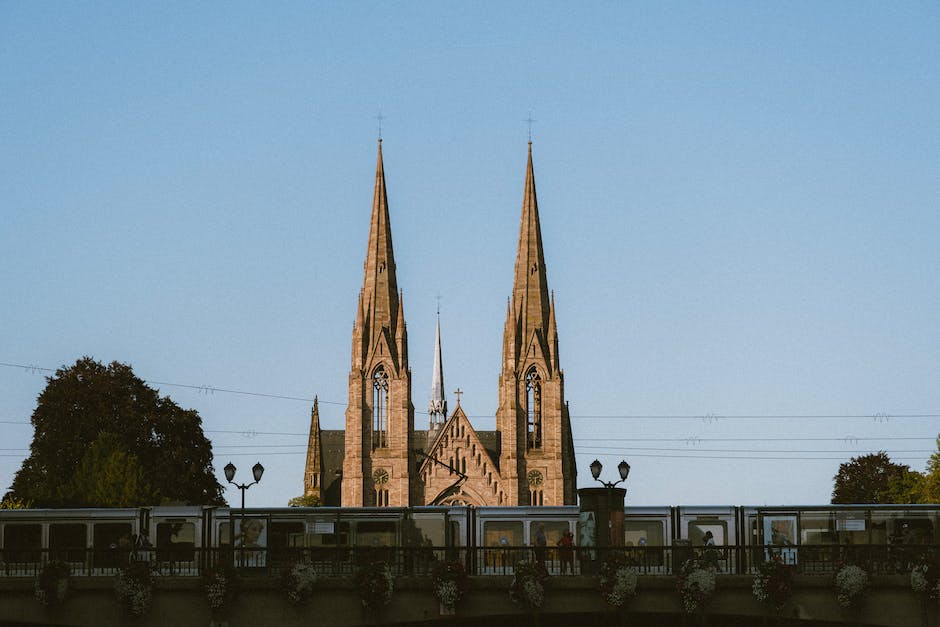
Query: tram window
22, 543
112, 543
817, 528
642, 533
901, 527
554, 530
281, 532
67, 542
852, 528
699, 528
375, 533
424, 532
502, 533
339, 537
176, 541
224, 539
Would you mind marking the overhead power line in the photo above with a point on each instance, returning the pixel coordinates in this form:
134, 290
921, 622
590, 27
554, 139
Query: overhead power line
707, 417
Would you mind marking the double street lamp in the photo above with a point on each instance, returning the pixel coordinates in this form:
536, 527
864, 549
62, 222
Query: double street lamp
597, 466
257, 471
602, 511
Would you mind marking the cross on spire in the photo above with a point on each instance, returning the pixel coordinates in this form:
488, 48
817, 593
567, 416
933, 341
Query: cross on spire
529, 121
380, 117
458, 392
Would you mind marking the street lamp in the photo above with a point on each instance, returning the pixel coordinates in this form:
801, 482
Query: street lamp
605, 506
597, 466
257, 470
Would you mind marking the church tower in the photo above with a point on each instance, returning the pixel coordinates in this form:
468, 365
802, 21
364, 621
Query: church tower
380, 416
536, 463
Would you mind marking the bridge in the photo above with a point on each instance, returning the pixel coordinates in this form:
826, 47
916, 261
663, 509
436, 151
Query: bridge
179, 600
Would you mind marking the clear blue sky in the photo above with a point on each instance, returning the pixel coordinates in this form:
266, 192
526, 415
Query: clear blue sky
740, 207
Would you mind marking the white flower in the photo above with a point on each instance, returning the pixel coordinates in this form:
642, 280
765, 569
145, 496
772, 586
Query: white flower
534, 592
759, 588
133, 593
448, 593
303, 578
697, 587
851, 583
624, 586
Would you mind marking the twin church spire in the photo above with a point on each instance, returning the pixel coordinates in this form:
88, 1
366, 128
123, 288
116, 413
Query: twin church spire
531, 310
380, 321
379, 463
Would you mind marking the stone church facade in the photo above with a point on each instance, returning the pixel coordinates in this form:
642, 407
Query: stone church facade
380, 459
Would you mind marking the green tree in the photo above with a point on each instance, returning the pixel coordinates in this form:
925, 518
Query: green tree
874, 478
9, 502
931, 483
110, 476
305, 501
906, 486
71, 462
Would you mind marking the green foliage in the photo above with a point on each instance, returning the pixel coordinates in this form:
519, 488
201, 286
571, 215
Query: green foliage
874, 478
906, 486
110, 476
11, 502
930, 488
94, 423
305, 501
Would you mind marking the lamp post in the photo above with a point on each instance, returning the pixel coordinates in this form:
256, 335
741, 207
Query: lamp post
597, 467
257, 471
605, 507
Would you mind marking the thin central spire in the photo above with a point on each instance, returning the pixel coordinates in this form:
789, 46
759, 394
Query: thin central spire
437, 407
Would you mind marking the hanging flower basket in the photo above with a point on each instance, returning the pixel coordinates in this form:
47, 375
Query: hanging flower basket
696, 584
925, 578
450, 584
298, 582
52, 583
528, 585
773, 583
851, 583
134, 588
618, 578
375, 584
220, 582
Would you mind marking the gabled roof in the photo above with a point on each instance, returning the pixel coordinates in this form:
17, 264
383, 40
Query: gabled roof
456, 443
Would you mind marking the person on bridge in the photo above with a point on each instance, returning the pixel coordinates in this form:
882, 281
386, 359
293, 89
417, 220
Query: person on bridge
566, 552
541, 542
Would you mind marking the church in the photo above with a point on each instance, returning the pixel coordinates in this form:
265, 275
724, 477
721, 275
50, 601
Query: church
382, 460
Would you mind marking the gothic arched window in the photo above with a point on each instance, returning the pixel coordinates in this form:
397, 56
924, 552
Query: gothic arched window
380, 408
533, 396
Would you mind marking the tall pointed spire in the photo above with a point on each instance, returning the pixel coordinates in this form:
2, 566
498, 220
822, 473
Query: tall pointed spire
380, 415
437, 408
530, 282
532, 415
379, 285
313, 468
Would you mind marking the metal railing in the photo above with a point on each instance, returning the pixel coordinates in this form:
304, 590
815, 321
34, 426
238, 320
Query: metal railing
498, 560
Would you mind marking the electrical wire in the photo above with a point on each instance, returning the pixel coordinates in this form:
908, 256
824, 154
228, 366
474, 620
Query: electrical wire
710, 417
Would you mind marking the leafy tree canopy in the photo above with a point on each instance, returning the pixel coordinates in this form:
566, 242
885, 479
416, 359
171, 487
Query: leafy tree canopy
110, 476
874, 478
103, 437
931, 484
9, 502
305, 501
